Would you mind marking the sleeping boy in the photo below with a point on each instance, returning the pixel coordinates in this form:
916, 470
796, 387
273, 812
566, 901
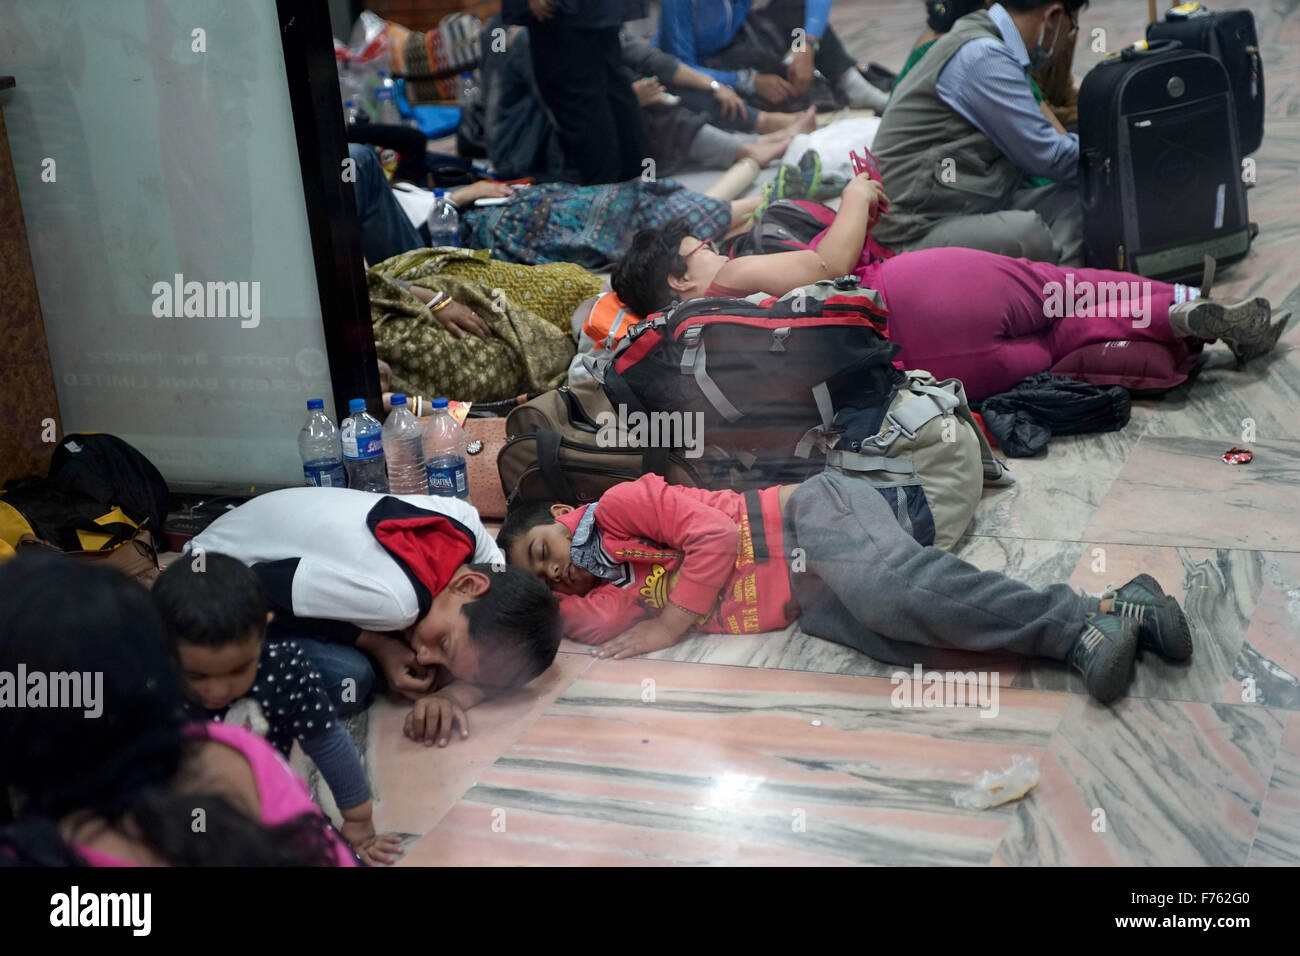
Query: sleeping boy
405, 590
648, 562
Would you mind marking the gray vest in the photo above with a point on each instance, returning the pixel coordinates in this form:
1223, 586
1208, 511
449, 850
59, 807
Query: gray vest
935, 164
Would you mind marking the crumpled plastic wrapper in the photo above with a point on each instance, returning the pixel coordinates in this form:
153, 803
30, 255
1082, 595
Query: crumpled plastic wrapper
993, 788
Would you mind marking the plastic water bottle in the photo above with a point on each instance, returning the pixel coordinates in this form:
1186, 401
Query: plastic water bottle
351, 115
363, 449
404, 451
386, 100
444, 221
319, 447
444, 450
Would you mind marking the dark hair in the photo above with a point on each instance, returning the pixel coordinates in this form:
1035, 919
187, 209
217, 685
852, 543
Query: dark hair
217, 603
61, 615
515, 624
1029, 6
520, 519
940, 15
641, 276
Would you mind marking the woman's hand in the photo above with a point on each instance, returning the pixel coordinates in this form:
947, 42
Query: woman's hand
733, 107
454, 317
647, 89
542, 9
483, 189
872, 193
459, 319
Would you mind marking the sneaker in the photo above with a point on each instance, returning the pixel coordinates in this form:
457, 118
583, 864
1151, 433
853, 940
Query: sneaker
1104, 654
789, 183
810, 165
1162, 625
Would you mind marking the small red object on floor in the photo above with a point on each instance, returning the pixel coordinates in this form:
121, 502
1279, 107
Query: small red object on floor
1238, 456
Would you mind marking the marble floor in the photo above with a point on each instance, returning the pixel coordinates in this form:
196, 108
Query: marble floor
783, 749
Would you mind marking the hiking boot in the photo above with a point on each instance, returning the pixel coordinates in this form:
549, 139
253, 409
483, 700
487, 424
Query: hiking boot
1242, 325
1162, 625
1104, 654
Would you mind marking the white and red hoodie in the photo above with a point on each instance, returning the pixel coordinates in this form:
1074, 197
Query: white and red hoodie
357, 558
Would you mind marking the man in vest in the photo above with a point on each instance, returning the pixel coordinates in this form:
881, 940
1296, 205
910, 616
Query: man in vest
963, 132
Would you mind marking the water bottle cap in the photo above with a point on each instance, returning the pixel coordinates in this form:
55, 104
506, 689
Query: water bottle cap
314, 403
439, 403
349, 103
398, 399
439, 193
383, 73
357, 405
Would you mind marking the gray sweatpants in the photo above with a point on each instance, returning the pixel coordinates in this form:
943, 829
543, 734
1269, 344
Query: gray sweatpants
1043, 224
866, 583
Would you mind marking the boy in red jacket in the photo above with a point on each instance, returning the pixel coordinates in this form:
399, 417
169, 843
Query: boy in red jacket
650, 561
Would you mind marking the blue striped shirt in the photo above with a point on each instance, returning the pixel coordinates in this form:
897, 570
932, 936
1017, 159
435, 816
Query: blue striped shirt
986, 83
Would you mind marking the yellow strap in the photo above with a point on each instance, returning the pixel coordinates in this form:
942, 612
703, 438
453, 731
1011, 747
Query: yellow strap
12, 528
90, 541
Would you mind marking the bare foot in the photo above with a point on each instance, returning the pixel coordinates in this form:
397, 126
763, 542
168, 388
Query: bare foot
806, 123
770, 124
763, 153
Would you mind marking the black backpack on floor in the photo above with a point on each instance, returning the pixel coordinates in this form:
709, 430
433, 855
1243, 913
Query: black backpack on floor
1230, 38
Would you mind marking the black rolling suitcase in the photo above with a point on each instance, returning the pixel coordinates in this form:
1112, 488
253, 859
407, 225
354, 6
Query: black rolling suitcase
1159, 166
1229, 37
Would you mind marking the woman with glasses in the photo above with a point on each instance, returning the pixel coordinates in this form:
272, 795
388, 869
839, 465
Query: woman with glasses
986, 319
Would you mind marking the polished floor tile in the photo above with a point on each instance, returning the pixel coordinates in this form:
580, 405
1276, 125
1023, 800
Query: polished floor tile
1178, 491
1277, 838
1267, 671
739, 765
1148, 782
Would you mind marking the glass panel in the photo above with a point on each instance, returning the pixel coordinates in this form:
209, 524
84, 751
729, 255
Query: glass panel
155, 155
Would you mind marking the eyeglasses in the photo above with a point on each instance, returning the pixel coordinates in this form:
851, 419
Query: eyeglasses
706, 244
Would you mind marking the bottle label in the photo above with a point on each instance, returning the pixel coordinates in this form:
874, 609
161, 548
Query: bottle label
448, 478
361, 450
326, 474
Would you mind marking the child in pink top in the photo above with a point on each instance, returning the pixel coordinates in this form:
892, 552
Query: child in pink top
108, 769
282, 794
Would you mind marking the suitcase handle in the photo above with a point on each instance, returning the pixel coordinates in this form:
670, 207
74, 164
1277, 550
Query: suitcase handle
1152, 48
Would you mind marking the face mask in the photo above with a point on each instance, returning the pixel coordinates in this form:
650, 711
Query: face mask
1039, 57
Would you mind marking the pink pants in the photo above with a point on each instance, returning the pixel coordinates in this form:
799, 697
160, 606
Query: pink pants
990, 320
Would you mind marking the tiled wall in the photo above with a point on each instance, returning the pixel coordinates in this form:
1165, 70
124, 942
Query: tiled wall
26, 380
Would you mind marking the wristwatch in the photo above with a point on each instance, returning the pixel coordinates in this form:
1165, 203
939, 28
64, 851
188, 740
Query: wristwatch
714, 86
